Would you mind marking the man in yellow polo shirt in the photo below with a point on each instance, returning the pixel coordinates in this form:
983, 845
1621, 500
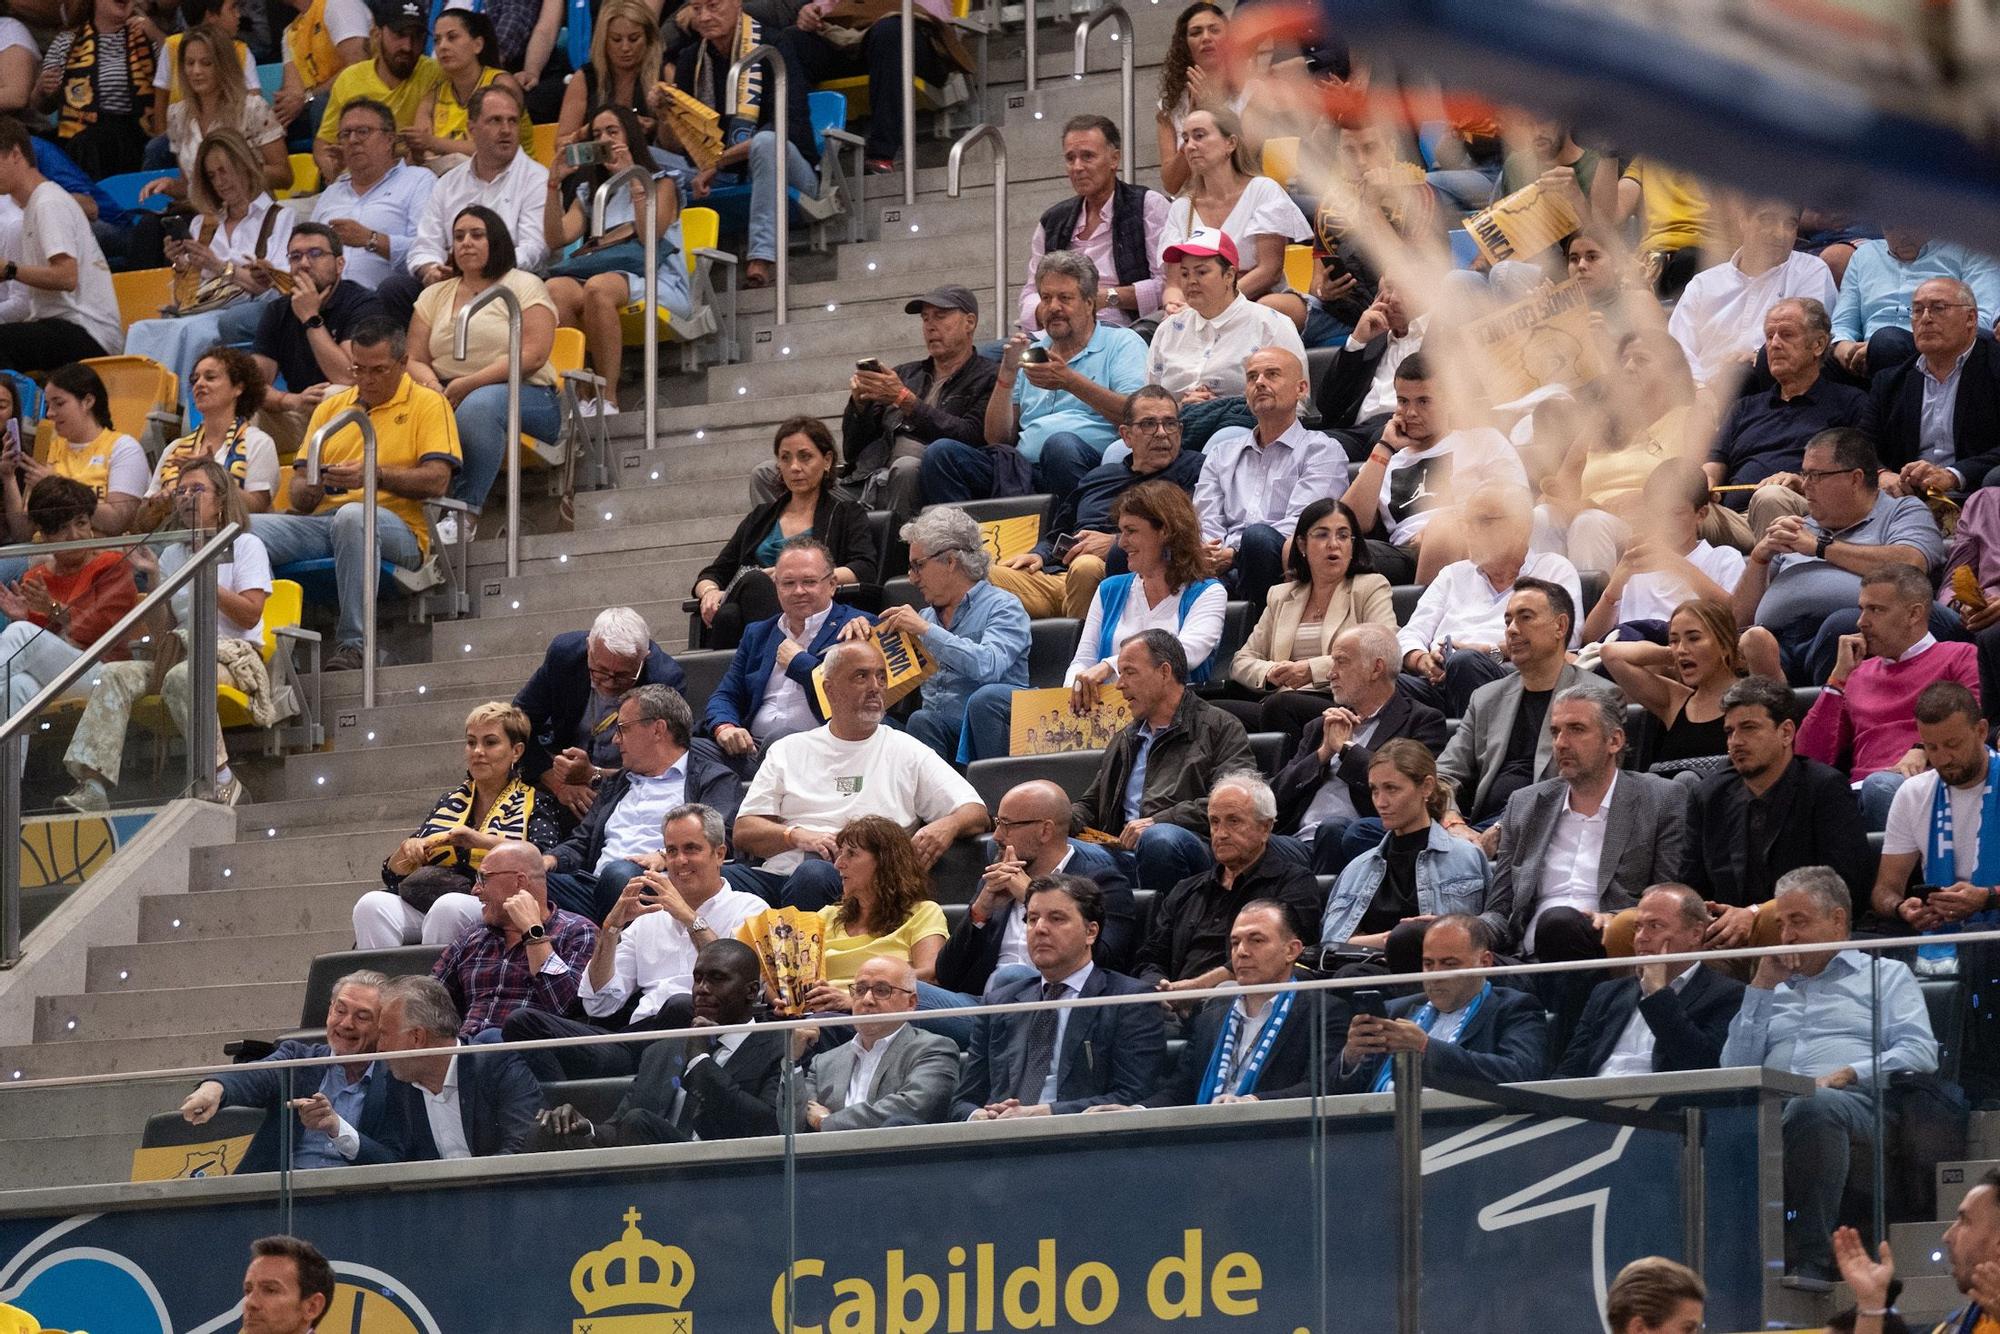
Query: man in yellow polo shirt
416, 453
398, 77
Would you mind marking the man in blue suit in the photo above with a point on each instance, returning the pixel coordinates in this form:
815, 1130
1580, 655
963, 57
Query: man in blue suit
768, 691
455, 1102
573, 697
990, 947
1056, 1061
359, 1092
1462, 1027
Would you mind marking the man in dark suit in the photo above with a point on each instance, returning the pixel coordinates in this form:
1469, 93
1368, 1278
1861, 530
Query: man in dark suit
357, 1091
1322, 793
1771, 812
698, 1088
1358, 396
573, 695
768, 691
1059, 1060
1029, 834
1461, 1027
1923, 448
455, 1102
1665, 1017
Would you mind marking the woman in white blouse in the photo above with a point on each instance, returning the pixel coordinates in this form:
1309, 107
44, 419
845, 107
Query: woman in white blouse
1225, 193
240, 234
214, 97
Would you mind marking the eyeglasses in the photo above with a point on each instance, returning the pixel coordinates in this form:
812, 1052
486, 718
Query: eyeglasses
1821, 474
800, 585
484, 877
1157, 426
358, 133
1003, 822
1918, 308
195, 489
620, 725
879, 990
309, 256
917, 564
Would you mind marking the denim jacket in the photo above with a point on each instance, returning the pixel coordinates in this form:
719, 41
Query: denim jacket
1453, 875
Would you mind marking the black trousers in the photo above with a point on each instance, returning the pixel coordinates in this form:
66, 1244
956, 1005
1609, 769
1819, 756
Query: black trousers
611, 1060
43, 345
880, 56
753, 599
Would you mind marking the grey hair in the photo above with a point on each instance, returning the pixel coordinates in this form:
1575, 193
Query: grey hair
665, 703
1961, 291
945, 528
1610, 705
622, 631
1821, 884
427, 1006
1252, 785
362, 977
1069, 264
712, 827
1812, 310
1377, 643
1694, 912
1912, 586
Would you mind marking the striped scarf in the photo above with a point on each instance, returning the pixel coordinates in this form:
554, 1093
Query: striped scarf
709, 80
508, 818
186, 452
79, 89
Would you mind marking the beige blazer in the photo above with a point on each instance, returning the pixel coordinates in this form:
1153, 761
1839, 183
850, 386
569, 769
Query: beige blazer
1359, 600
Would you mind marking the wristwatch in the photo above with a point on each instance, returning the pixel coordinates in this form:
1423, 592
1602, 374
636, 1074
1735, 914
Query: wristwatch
7, 274
316, 322
1820, 546
535, 935
700, 923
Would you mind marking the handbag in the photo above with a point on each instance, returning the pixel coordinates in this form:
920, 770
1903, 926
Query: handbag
221, 290
623, 257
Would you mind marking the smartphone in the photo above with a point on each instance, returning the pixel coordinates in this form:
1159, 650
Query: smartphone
873, 365
1371, 1003
584, 153
1034, 356
13, 438
1062, 545
1923, 892
177, 226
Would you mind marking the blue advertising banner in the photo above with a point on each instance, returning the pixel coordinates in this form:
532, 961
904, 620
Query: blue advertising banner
1150, 1221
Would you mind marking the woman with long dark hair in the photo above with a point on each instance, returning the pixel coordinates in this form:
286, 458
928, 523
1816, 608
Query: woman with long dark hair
1195, 74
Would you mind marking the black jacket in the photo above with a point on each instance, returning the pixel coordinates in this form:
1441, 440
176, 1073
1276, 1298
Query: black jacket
1347, 382
1300, 781
709, 781
1896, 404
1507, 1042
1191, 922
497, 1102
736, 1100
973, 952
1200, 745
868, 429
1816, 823
841, 524
1110, 1053
557, 695
1288, 1071
250, 1086
1689, 1026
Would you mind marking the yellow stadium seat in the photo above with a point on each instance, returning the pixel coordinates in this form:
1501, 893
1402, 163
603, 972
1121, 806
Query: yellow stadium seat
701, 229
305, 177
141, 293
1281, 159
542, 145
1299, 268
13, 1320
139, 388
282, 610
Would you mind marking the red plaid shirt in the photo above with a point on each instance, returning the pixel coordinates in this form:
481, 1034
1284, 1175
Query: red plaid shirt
489, 981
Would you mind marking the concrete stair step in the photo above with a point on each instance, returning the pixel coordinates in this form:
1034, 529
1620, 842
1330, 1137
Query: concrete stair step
811, 300
167, 964
361, 810
419, 679
233, 913
327, 857
111, 1056
624, 584
248, 1006
69, 1160
799, 374
55, 1114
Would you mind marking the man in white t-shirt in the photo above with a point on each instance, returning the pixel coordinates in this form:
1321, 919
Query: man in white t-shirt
1719, 321
72, 309
1420, 467
1954, 851
812, 784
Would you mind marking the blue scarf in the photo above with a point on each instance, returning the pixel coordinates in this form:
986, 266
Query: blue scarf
1222, 1060
1425, 1017
1940, 853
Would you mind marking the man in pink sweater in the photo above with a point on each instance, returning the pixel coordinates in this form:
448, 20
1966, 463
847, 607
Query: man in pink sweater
1865, 721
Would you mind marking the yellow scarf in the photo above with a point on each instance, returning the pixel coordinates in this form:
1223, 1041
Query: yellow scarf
508, 817
79, 87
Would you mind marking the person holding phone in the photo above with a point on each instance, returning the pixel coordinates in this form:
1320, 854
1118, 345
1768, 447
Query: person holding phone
88, 449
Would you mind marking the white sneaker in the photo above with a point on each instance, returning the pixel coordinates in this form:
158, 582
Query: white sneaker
597, 407
447, 529
89, 796
229, 792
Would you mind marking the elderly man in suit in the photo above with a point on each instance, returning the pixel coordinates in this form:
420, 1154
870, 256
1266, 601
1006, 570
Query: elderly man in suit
699, 1088
1055, 1061
1461, 1027
358, 1090
1937, 416
989, 947
890, 1074
574, 694
458, 1103
1666, 1016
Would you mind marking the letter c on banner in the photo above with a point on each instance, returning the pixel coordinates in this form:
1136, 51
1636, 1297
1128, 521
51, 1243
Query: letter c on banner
801, 1269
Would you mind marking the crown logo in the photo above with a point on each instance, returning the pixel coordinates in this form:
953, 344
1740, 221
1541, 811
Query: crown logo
633, 1271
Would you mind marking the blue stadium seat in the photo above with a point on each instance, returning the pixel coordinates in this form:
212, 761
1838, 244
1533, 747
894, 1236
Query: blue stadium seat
315, 577
271, 78
1463, 251
124, 189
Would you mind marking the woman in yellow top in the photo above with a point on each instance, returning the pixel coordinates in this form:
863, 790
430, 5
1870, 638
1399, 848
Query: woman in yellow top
465, 47
87, 449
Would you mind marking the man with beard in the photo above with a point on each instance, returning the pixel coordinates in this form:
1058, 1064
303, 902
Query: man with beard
398, 77
1971, 1243
287, 1287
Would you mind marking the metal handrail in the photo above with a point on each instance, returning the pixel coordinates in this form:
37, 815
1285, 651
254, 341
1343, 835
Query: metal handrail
1127, 90
152, 537
201, 732
460, 342
651, 299
371, 542
1030, 11
781, 124
909, 58
988, 131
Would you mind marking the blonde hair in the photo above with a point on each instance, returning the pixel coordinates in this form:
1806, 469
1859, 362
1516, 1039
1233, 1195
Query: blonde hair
231, 144
512, 721
635, 11
230, 92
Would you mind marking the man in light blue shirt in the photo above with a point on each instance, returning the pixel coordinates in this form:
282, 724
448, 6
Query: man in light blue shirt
1813, 1013
1871, 322
977, 633
375, 204
1057, 402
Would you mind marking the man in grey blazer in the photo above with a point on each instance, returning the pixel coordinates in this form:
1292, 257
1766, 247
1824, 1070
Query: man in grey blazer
890, 1073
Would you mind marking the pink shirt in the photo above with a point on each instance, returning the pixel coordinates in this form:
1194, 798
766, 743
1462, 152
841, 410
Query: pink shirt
1872, 723
1097, 247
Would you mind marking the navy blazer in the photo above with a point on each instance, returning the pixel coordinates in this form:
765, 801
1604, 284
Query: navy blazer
1896, 406
736, 700
973, 952
709, 781
497, 1101
1288, 1071
558, 693
249, 1086
1110, 1053
1507, 1042
1689, 1026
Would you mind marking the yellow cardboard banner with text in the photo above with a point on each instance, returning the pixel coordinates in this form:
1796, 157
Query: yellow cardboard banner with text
1542, 339
180, 1162
1042, 723
1522, 225
1007, 538
908, 666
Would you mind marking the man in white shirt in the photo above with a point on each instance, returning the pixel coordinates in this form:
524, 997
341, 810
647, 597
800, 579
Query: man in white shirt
500, 175
1451, 643
72, 309
646, 946
1358, 393
1257, 480
1719, 321
812, 784
459, 1103
890, 1074
1947, 845
1197, 354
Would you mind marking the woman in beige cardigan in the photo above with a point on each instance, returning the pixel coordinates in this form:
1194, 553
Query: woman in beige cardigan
1287, 663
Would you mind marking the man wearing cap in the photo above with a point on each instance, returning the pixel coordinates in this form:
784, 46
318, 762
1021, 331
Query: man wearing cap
398, 77
1198, 355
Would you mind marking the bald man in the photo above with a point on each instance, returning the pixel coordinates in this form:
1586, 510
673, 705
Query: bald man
1030, 840
524, 952
890, 1074
1257, 480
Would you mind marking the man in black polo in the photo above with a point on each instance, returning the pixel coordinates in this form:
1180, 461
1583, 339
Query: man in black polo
304, 339
1117, 225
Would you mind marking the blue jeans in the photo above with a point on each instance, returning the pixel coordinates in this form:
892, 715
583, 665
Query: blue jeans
1877, 791
1822, 1130
177, 342
953, 472
939, 731
297, 537
988, 723
764, 190
1166, 855
1466, 189
1464, 672
813, 886
1065, 459
933, 999
482, 435
1810, 646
